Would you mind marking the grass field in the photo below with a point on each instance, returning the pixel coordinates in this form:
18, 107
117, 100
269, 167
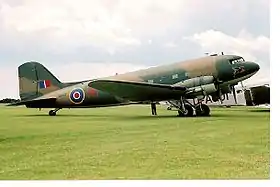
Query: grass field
128, 143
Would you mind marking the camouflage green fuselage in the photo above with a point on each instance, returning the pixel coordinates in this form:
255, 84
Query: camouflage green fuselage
219, 67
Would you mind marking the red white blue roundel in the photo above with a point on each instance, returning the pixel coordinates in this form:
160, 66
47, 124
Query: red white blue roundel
77, 95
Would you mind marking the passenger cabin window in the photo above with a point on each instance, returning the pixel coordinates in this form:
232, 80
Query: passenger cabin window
175, 76
150, 81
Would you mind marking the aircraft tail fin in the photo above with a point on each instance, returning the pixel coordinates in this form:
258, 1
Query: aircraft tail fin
35, 80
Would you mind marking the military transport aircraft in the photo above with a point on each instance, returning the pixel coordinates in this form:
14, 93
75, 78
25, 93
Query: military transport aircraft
211, 75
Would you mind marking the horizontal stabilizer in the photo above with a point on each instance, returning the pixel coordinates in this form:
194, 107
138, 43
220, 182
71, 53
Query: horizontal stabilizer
36, 103
138, 91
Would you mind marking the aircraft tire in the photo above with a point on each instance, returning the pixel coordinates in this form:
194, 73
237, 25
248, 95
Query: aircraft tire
52, 113
203, 111
189, 112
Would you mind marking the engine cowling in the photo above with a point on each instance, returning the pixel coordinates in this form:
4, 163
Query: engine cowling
197, 81
203, 85
200, 86
205, 89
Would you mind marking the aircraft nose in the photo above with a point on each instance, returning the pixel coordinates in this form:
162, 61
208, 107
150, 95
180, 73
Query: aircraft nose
252, 67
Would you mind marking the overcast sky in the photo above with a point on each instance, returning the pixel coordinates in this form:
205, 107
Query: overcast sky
93, 38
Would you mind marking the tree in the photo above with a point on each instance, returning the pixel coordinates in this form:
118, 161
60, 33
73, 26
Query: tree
9, 100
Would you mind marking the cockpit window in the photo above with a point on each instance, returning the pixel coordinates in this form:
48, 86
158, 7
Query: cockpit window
237, 60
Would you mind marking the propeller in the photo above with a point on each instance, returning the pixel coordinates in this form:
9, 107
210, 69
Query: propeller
243, 88
234, 94
217, 82
234, 91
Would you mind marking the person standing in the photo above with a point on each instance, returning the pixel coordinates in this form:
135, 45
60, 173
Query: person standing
154, 108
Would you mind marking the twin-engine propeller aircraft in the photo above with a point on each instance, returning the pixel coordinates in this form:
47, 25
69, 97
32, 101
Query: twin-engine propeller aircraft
211, 75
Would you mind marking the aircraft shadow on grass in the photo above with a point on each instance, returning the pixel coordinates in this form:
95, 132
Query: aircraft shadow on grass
121, 117
99, 116
263, 110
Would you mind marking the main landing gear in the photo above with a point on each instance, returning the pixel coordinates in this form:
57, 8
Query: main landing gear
186, 109
202, 110
53, 112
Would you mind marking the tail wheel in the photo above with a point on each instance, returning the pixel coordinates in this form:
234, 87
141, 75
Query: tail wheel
202, 110
52, 113
188, 111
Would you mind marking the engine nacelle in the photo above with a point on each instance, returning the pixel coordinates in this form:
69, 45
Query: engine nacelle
205, 89
202, 86
197, 81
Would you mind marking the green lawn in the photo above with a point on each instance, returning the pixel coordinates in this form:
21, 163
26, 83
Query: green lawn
128, 143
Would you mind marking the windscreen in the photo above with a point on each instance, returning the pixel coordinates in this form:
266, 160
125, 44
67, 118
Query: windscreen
237, 60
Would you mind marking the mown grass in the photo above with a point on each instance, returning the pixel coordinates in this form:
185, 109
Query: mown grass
128, 143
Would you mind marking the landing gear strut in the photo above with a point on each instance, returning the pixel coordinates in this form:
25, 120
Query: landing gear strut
186, 109
53, 112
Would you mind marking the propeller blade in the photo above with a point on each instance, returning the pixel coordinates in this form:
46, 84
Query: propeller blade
234, 94
243, 88
217, 83
220, 95
221, 101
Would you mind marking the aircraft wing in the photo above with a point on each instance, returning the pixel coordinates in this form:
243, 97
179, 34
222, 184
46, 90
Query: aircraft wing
41, 103
138, 91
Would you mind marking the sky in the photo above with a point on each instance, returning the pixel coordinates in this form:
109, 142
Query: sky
87, 39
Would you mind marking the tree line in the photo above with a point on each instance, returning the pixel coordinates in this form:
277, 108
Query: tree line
9, 100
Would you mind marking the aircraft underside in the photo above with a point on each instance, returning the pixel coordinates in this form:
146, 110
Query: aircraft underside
183, 106
198, 88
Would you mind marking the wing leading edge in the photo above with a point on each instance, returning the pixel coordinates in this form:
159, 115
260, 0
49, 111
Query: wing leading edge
138, 91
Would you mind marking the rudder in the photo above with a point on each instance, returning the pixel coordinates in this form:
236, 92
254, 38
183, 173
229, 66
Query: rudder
35, 80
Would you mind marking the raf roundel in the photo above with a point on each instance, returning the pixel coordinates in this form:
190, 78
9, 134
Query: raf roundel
77, 96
